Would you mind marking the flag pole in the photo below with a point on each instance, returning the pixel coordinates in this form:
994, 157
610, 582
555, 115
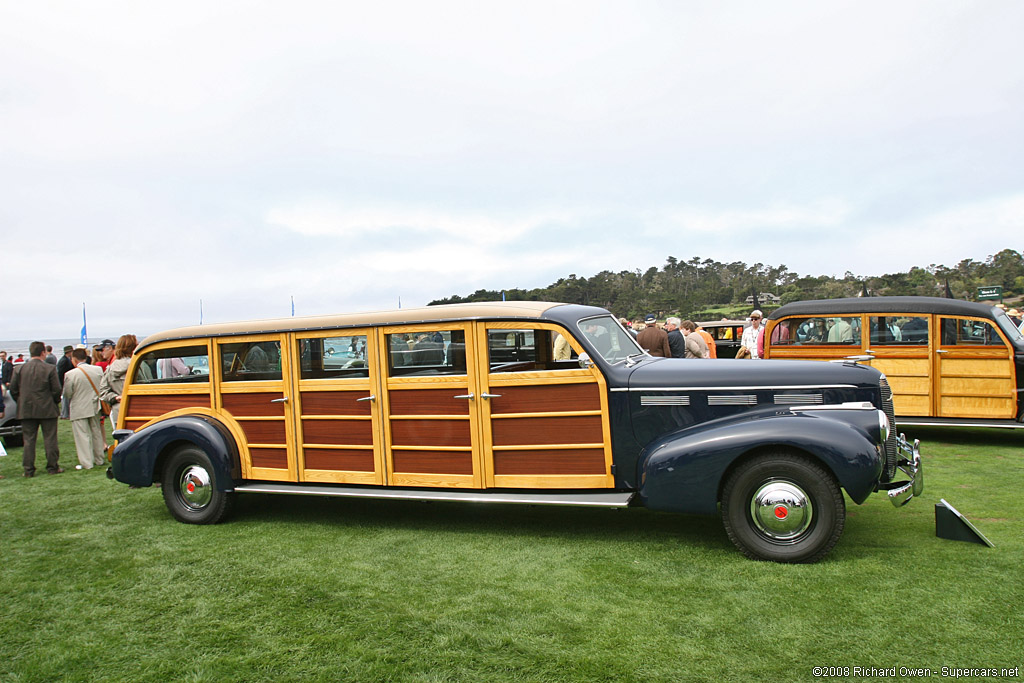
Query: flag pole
85, 333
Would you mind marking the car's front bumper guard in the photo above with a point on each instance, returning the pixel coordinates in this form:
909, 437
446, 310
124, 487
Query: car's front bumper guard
900, 492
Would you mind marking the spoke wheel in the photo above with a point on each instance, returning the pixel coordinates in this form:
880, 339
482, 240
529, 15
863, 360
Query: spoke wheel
784, 508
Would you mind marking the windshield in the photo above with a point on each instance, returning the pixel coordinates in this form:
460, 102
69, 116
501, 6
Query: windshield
609, 338
1011, 331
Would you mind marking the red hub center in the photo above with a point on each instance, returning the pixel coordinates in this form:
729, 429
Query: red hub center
781, 512
191, 488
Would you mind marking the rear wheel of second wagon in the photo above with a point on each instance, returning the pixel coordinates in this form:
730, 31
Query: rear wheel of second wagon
190, 489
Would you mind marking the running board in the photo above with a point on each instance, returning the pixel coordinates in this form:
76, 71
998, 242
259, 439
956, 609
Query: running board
610, 499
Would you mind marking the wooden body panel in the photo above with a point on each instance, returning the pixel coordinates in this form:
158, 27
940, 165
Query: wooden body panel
536, 427
955, 379
339, 421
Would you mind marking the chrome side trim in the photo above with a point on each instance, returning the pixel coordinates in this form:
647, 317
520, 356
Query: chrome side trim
664, 400
610, 499
744, 388
852, 405
799, 399
735, 400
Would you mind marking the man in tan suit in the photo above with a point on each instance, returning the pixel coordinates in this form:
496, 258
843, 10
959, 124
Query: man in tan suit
80, 389
35, 387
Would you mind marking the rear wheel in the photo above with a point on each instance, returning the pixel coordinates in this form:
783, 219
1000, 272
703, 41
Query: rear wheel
189, 488
784, 508
14, 441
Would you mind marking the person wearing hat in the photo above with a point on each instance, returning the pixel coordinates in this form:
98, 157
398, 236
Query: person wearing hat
63, 366
654, 339
106, 354
751, 333
1014, 315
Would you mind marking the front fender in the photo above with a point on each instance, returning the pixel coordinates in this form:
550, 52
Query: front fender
136, 460
682, 471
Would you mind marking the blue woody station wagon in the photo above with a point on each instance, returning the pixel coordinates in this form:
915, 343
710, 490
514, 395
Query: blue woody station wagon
512, 402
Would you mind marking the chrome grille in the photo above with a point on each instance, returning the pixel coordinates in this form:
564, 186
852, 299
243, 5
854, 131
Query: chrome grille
891, 452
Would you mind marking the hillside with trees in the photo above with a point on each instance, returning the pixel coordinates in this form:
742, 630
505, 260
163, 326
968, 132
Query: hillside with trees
704, 289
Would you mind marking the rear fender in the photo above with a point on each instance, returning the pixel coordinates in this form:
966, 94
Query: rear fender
137, 459
683, 471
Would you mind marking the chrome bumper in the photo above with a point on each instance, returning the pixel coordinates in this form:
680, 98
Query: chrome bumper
909, 463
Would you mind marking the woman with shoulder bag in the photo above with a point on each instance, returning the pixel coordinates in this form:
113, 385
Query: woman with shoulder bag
113, 379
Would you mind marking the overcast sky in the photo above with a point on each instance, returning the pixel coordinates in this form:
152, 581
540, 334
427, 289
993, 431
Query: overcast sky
351, 154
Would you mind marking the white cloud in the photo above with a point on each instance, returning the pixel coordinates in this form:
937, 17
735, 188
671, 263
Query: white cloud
346, 153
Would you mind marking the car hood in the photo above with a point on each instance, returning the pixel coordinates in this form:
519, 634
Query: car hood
664, 373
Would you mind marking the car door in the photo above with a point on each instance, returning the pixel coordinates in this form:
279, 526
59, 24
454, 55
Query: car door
429, 396
974, 370
255, 393
337, 407
544, 422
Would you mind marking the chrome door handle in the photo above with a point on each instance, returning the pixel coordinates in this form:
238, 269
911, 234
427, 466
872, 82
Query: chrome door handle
469, 396
941, 351
279, 400
490, 395
366, 398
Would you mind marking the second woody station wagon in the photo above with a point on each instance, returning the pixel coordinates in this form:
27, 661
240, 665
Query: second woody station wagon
518, 402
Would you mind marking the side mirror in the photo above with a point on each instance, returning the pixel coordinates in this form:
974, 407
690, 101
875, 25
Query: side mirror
585, 362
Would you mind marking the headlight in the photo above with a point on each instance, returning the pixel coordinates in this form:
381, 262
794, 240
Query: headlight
883, 426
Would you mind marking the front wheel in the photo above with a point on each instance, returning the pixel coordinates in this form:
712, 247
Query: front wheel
189, 488
784, 508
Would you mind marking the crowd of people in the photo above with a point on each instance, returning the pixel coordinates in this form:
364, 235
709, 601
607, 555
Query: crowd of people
81, 386
687, 339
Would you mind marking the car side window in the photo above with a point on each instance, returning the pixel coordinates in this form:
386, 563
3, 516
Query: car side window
527, 350
250, 361
966, 332
819, 330
432, 353
899, 330
335, 357
179, 365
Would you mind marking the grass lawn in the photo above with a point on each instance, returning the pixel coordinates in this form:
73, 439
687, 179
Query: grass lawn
98, 582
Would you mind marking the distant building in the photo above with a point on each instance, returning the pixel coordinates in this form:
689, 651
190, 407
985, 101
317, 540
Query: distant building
764, 299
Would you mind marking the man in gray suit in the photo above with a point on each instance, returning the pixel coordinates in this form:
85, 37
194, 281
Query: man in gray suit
81, 391
35, 387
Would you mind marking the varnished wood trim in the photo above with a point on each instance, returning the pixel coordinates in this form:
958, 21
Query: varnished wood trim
568, 413
254, 404
547, 399
336, 402
558, 481
433, 462
264, 431
448, 481
429, 402
431, 433
532, 462
342, 477
158, 405
274, 458
545, 430
342, 432
339, 459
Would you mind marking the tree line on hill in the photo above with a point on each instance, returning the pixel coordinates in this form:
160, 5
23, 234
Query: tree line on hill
705, 286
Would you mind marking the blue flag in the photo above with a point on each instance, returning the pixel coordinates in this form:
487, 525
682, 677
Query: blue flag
85, 335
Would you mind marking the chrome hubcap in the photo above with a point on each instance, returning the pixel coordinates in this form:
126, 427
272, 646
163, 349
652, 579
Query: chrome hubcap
195, 486
781, 511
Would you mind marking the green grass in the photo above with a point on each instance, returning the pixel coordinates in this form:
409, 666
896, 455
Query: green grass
97, 582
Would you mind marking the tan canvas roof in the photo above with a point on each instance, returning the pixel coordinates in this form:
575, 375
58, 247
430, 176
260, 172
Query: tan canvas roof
471, 311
